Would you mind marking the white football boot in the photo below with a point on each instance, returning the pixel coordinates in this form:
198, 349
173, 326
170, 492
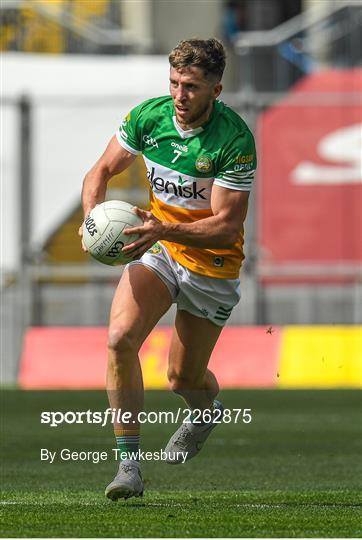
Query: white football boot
127, 483
188, 440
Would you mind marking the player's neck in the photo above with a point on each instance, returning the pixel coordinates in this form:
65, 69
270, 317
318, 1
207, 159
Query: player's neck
199, 122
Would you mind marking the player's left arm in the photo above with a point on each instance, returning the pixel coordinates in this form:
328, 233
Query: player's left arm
219, 231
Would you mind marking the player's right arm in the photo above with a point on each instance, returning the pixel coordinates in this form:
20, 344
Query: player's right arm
114, 160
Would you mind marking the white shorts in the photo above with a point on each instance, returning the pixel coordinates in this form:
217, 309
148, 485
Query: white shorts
203, 296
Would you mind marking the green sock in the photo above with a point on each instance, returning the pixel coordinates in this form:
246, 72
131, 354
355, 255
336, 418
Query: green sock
128, 444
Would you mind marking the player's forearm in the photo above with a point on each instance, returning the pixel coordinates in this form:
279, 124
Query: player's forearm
113, 161
212, 232
94, 189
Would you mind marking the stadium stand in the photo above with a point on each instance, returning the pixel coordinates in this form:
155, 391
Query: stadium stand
60, 26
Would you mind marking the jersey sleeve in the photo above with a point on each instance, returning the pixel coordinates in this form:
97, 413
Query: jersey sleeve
237, 164
129, 132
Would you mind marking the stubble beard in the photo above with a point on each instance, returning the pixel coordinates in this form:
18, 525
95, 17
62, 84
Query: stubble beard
196, 116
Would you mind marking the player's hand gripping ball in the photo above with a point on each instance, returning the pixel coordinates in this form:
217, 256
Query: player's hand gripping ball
103, 231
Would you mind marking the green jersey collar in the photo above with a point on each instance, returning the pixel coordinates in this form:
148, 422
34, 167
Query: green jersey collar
186, 133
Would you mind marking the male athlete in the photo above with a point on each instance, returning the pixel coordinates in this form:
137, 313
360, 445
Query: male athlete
200, 159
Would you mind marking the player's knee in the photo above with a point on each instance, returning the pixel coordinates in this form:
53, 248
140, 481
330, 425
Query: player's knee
122, 340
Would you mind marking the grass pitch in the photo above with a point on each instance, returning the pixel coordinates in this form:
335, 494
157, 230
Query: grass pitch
294, 471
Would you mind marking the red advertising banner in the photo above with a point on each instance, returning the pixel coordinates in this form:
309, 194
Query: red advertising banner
244, 357
310, 179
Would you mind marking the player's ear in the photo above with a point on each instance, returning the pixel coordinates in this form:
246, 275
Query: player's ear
217, 89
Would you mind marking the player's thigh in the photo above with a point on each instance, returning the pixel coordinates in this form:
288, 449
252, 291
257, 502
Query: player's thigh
193, 341
139, 302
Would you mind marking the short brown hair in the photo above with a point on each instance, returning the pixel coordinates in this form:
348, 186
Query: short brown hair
207, 54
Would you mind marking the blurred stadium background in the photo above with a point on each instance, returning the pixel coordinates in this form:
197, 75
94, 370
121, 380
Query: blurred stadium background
71, 70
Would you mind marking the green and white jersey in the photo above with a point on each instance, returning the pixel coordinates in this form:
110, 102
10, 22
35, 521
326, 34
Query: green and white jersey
182, 166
